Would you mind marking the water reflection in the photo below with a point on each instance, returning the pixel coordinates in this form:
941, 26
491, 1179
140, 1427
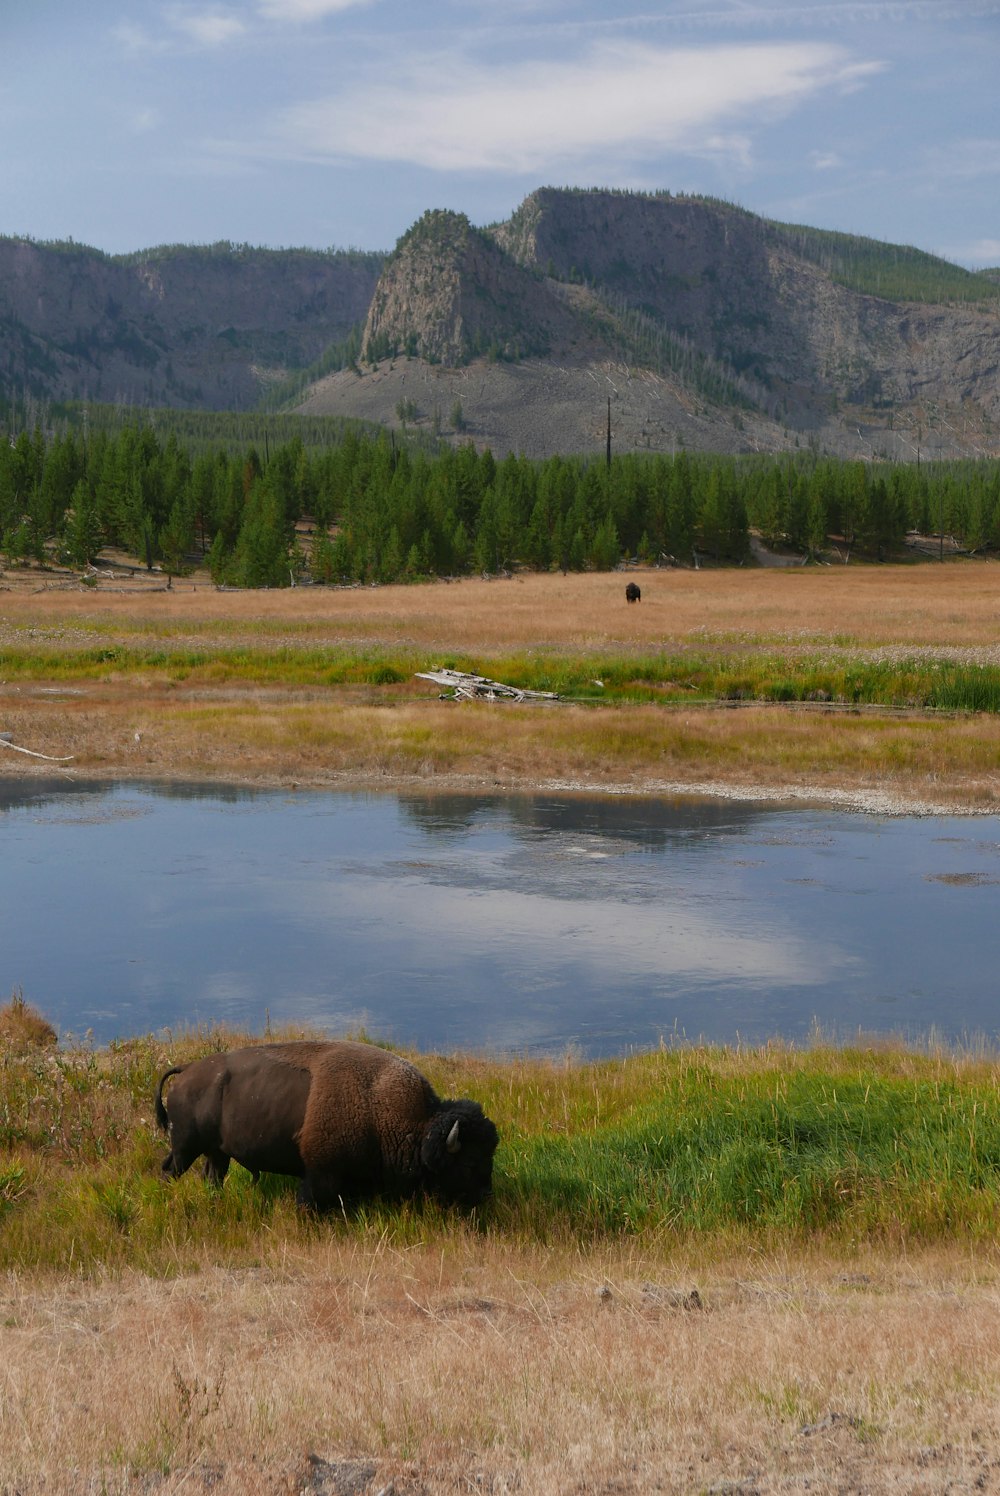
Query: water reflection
527, 923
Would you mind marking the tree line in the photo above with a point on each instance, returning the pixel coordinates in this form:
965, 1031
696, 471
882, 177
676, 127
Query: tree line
364, 507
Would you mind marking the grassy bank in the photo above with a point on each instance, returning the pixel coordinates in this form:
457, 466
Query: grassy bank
702, 1269
768, 1146
664, 677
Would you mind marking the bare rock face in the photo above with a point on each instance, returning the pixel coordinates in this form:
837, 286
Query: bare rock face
736, 287
450, 293
701, 324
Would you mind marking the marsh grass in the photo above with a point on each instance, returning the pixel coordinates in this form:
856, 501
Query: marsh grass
664, 677
317, 686
949, 605
22, 1027
771, 1144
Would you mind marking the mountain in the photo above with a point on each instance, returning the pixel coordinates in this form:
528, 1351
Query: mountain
209, 328
705, 325
702, 324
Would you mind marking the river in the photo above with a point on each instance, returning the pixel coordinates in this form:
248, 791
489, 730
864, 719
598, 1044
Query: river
533, 923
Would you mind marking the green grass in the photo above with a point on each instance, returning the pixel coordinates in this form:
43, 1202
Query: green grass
768, 1145
621, 678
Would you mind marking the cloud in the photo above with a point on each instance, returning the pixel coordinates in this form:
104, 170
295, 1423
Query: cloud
133, 40
211, 28
661, 942
836, 13
825, 160
619, 100
305, 10
967, 159
204, 29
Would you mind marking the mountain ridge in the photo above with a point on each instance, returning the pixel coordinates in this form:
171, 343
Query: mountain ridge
701, 323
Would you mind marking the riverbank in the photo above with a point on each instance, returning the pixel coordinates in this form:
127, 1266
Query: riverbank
702, 1270
377, 738
366, 1368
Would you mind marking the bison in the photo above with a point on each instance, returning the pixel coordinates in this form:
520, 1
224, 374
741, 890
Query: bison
346, 1118
632, 593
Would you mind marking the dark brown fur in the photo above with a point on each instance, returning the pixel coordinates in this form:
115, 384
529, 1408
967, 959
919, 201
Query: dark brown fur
345, 1118
632, 593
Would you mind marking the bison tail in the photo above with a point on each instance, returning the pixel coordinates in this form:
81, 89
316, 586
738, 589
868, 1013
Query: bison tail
161, 1111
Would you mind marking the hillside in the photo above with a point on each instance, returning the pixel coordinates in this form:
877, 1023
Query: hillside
703, 325
208, 328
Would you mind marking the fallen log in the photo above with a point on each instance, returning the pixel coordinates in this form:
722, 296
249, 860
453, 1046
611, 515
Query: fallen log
5, 742
461, 686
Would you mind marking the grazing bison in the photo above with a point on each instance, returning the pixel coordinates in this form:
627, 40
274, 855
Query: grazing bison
632, 593
347, 1119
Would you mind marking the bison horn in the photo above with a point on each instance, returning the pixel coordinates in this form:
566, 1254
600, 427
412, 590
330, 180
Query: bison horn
452, 1142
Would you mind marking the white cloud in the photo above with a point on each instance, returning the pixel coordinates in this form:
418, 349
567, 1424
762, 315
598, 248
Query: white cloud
187, 27
831, 12
211, 28
965, 158
620, 100
304, 10
825, 160
133, 39
664, 942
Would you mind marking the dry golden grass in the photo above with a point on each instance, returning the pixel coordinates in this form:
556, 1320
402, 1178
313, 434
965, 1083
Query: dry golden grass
955, 604
497, 1368
22, 1027
351, 737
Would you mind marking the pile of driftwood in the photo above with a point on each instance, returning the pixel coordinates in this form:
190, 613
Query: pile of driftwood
464, 687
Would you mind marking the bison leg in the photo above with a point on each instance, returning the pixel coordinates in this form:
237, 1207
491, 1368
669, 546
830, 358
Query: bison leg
318, 1195
177, 1162
185, 1148
216, 1164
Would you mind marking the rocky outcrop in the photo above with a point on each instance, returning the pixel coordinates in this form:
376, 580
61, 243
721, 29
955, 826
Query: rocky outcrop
450, 293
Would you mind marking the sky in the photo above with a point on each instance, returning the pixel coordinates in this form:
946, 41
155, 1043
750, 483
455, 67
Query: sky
337, 123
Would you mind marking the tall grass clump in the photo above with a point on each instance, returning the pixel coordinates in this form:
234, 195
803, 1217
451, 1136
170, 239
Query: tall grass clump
966, 689
22, 1027
772, 1145
868, 1155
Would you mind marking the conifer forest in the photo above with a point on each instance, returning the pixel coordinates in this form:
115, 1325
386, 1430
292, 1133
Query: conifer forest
272, 501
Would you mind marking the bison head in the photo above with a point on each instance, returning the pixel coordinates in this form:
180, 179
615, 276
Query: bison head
456, 1155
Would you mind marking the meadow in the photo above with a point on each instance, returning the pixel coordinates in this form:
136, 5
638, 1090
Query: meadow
882, 681
749, 1270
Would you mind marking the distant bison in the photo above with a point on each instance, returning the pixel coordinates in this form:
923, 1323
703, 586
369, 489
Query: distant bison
632, 593
347, 1119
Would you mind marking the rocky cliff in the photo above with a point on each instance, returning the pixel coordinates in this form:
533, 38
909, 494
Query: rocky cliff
450, 292
701, 323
